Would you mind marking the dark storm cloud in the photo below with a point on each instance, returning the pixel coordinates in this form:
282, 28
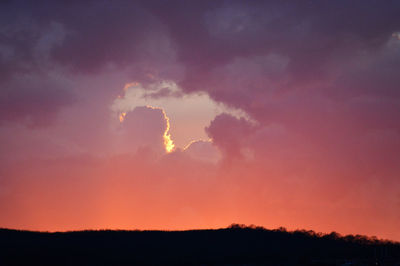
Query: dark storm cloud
230, 134
33, 100
71, 40
266, 57
318, 39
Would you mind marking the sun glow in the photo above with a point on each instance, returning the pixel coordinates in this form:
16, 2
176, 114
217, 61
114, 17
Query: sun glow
167, 95
168, 143
122, 117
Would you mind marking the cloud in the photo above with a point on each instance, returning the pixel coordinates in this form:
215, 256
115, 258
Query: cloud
243, 56
35, 41
203, 150
189, 113
34, 99
230, 134
33, 90
142, 127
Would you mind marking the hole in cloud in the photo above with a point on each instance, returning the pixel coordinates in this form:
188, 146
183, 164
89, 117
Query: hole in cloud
186, 114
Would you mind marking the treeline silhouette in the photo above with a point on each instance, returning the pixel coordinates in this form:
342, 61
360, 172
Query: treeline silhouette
235, 245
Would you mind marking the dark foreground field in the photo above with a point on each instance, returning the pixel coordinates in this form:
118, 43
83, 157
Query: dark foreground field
236, 245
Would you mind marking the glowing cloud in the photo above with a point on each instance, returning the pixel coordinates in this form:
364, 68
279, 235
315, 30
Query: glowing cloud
195, 141
122, 116
168, 143
203, 150
131, 84
190, 113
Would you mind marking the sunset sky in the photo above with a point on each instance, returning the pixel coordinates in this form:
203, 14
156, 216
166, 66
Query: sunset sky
199, 114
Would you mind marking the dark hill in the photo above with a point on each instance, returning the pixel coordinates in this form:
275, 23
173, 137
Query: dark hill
236, 245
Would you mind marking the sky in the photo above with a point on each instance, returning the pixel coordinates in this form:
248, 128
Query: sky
199, 114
